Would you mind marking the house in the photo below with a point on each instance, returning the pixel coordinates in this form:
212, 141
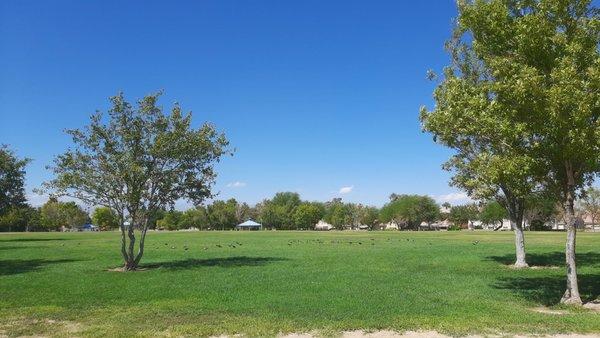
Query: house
249, 225
390, 226
323, 226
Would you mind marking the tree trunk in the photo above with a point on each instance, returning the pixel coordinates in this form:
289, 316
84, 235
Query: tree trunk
571, 295
521, 261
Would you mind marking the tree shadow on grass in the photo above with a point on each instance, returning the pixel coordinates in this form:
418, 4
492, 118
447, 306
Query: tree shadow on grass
227, 262
548, 290
556, 258
17, 266
33, 239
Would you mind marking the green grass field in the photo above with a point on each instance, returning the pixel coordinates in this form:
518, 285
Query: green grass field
279, 282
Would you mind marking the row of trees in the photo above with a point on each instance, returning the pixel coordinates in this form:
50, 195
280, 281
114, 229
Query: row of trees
520, 106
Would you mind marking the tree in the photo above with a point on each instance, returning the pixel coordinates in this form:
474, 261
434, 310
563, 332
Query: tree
492, 213
22, 218
338, 214
171, 220
137, 161
368, 216
55, 214
545, 63
279, 211
12, 180
222, 214
105, 218
590, 203
194, 217
539, 209
410, 211
308, 214
461, 214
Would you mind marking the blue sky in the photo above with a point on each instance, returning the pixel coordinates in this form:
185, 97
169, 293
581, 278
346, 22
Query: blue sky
316, 96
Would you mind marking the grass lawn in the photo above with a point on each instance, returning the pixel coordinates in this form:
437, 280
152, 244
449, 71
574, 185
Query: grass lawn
279, 282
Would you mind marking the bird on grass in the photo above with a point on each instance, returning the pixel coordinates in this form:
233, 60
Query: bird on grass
476, 242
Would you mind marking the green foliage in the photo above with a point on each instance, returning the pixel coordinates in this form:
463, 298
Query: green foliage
279, 212
194, 218
171, 220
12, 180
222, 214
55, 215
409, 211
492, 213
105, 218
137, 161
590, 203
460, 215
307, 214
20, 218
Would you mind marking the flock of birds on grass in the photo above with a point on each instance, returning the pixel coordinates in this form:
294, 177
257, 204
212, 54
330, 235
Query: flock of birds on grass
319, 241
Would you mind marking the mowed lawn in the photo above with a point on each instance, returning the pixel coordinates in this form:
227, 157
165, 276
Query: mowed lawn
266, 283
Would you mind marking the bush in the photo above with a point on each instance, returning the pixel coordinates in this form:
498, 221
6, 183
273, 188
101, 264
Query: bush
454, 227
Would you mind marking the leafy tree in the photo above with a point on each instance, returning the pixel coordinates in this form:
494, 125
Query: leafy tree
590, 203
544, 60
539, 209
279, 211
137, 161
194, 217
20, 218
12, 180
244, 212
171, 220
222, 214
105, 218
368, 216
460, 215
338, 214
55, 214
492, 213
308, 214
410, 211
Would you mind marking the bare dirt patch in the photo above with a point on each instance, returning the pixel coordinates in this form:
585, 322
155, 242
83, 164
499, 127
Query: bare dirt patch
594, 305
549, 311
426, 334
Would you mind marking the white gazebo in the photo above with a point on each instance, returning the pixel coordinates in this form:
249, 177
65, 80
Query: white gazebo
249, 225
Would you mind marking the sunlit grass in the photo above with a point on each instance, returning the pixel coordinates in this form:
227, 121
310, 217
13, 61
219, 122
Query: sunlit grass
265, 283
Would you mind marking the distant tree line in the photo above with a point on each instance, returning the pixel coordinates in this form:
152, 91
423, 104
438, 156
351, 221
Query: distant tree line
284, 211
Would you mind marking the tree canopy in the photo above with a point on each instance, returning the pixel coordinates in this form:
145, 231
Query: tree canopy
138, 160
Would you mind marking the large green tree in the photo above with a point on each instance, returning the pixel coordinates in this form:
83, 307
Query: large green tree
12, 180
278, 212
222, 214
544, 60
409, 211
307, 214
105, 218
138, 160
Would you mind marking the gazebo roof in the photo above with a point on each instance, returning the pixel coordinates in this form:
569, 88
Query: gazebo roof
249, 223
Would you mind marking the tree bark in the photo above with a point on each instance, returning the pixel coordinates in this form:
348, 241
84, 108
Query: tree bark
521, 261
571, 295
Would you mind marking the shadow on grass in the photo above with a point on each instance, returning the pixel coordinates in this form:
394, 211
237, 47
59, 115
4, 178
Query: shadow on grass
549, 290
17, 266
556, 258
33, 239
227, 262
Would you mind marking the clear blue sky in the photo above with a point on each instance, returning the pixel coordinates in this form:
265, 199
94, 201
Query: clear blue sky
315, 95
